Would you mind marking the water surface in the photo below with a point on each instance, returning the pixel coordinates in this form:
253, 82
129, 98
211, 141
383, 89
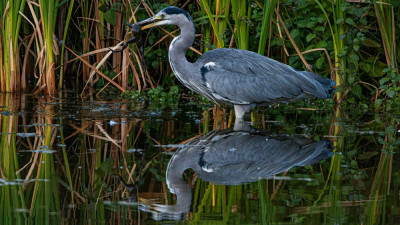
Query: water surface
68, 161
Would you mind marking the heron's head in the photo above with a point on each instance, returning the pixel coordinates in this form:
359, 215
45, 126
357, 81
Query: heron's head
169, 16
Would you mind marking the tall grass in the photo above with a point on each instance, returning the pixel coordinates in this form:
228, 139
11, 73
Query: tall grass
241, 14
268, 10
48, 14
85, 22
385, 15
68, 19
218, 27
10, 22
337, 30
89, 31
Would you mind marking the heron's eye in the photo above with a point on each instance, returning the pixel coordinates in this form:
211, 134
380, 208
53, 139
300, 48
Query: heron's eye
162, 16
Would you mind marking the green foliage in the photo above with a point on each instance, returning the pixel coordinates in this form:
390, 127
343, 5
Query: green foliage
158, 94
110, 12
360, 38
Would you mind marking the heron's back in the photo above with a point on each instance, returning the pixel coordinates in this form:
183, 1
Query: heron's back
244, 77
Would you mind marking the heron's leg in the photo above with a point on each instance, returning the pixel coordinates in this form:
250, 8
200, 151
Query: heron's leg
241, 125
240, 110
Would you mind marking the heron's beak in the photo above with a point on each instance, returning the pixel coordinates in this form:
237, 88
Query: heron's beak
148, 23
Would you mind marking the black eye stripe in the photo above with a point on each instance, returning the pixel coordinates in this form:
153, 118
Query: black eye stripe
175, 10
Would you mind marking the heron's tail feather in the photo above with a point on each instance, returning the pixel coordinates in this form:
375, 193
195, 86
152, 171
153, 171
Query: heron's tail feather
325, 149
327, 84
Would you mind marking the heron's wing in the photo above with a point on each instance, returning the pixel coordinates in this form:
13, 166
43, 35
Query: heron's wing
240, 157
244, 77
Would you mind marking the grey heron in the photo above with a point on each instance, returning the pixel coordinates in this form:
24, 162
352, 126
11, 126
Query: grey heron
242, 78
235, 156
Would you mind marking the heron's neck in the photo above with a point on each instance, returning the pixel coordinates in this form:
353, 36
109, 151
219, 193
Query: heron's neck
175, 181
178, 48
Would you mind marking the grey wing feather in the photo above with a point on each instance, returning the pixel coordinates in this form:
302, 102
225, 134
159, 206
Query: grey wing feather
243, 77
240, 157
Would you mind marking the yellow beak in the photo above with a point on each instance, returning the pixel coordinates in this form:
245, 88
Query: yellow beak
149, 23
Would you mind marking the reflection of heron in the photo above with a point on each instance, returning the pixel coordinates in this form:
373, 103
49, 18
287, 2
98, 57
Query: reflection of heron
242, 78
235, 157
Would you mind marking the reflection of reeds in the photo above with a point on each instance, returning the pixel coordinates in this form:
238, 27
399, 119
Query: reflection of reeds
375, 212
65, 156
11, 197
98, 152
333, 181
45, 203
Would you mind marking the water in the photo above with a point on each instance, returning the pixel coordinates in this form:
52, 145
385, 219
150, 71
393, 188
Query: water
96, 162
